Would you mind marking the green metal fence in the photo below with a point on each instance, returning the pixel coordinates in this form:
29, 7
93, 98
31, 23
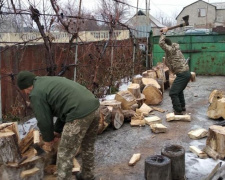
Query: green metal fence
206, 52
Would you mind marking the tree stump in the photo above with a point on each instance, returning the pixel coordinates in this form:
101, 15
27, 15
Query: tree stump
153, 95
176, 154
135, 90
215, 139
9, 149
157, 167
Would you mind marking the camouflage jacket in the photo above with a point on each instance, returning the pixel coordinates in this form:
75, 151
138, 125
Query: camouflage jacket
174, 58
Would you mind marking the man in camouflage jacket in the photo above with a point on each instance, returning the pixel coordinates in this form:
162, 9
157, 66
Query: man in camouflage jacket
77, 111
176, 63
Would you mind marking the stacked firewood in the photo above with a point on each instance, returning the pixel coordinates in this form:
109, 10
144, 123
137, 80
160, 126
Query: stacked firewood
19, 158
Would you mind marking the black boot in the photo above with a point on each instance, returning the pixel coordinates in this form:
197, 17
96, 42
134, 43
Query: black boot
178, 113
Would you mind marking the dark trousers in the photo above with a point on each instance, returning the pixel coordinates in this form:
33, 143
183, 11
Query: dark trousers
176, 91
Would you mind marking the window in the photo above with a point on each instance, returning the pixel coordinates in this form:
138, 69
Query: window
201, 12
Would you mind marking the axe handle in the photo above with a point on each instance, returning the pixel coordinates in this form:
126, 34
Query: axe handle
179, 25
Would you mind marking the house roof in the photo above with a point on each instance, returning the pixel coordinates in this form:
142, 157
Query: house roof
219, 5
142, 18
194, 3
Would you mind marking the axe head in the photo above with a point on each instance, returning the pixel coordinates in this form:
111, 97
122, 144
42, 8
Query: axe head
39, 150
186, 18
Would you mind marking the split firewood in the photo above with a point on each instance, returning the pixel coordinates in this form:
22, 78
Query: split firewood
193, 77
214, 171
158, 109
105, 118
172, 117
126, 98
135, 122
153, 96
36, 139
211, 153
201, 154
215, 139
153, 120
29, 173
26, 141
144, 109
134, 159
135, 90
76, 166
11, 127
198, 133
158, 128
172, 77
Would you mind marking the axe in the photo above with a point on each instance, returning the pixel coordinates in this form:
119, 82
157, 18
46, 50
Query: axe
36, 146
186, 23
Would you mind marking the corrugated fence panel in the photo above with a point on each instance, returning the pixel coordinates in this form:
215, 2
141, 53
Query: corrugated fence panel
206, 52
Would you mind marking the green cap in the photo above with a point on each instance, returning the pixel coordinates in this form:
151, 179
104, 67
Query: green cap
25, 79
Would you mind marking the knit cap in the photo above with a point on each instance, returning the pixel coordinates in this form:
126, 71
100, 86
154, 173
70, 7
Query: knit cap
25, 79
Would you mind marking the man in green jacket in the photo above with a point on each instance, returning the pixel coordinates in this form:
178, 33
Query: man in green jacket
177, 65
77, 112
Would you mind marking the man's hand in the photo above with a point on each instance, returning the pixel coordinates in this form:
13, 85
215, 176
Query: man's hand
164, 30
48, 146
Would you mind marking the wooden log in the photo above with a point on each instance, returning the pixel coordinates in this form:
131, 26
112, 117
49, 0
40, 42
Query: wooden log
117, 118
216, 109
211, 153
26, 141
201, 154
50, 169
151, 74
158, 128
150, 81
140, 100
153, 95
126, 98
137, 80
215, 139
128, 114
161, 84
9, 149
30, 172
215, 95
172, 117
198, 133
153, 120
135, 90
134, 159
111, 102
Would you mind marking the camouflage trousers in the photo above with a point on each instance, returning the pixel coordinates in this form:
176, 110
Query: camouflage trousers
78, 133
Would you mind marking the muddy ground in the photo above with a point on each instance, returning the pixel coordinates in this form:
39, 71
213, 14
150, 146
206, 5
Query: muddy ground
114, 148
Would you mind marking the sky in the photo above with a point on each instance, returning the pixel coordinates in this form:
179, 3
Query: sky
170, 8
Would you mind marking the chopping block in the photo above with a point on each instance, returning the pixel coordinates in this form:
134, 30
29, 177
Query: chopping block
173, 117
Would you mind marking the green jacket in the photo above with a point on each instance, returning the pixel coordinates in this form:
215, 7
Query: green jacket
62, 98
174, 59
